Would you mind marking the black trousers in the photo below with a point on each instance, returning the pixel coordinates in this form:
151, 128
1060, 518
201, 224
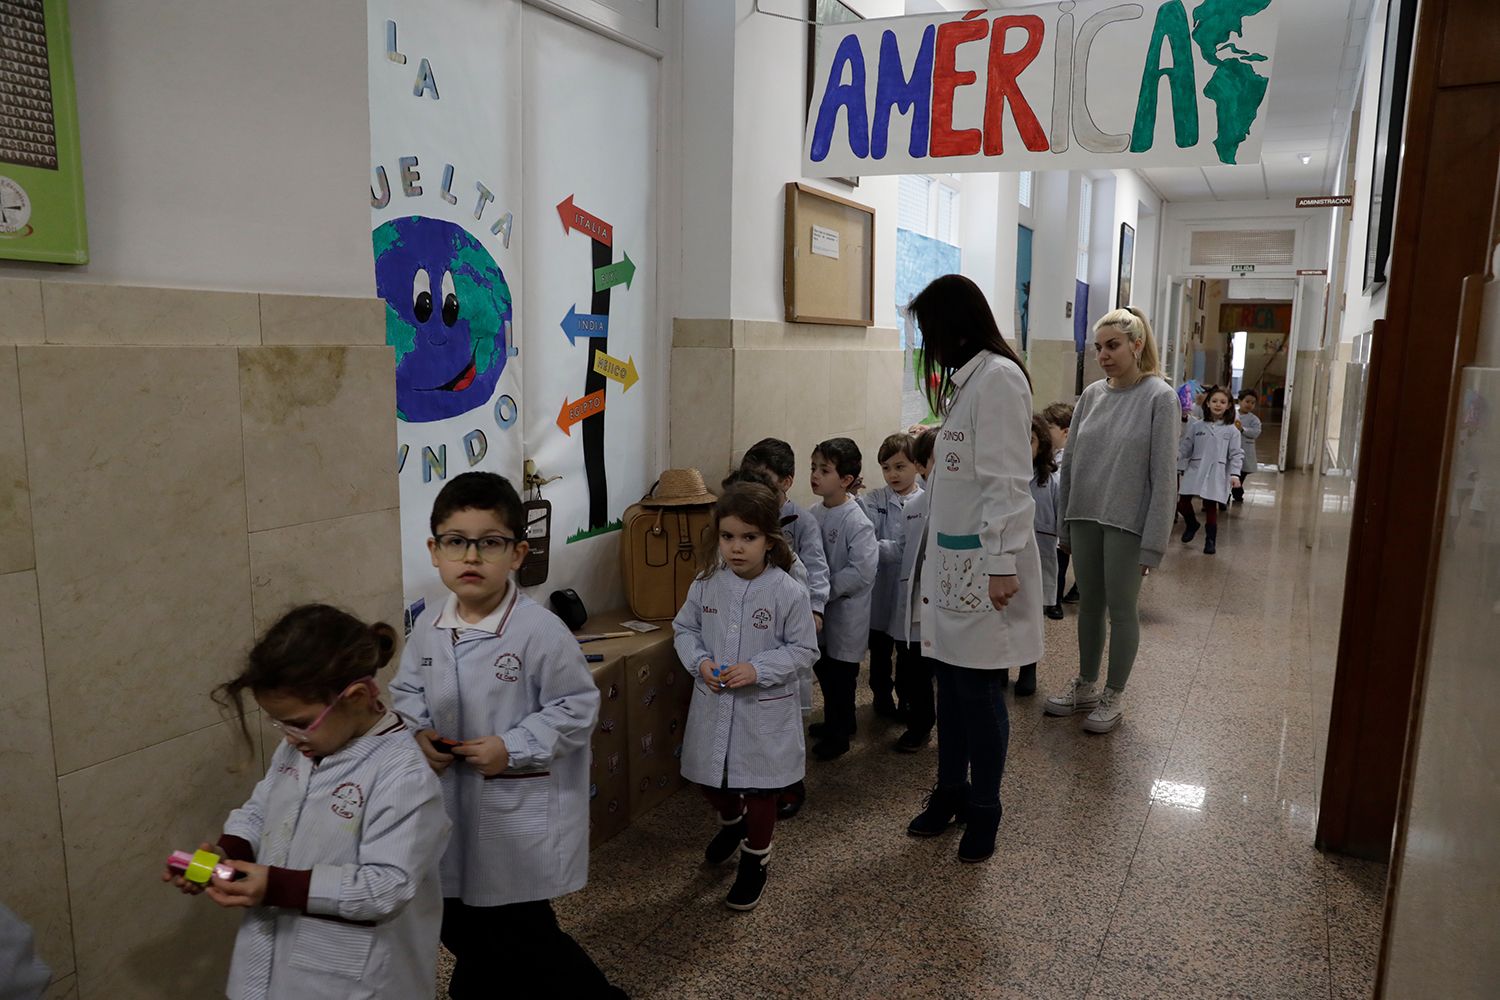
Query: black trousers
882, 681
1063, 559
517, 950
914, 680
839, 680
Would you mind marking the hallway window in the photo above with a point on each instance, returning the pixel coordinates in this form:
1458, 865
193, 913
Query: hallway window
1085, 226
1024, 184
1241, 342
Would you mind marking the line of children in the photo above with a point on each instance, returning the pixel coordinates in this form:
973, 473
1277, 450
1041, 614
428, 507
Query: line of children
1059, 418
853, 560
1210, 458
745, 634
885, 509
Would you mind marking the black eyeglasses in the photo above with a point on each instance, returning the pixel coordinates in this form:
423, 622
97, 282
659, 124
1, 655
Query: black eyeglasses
455, 547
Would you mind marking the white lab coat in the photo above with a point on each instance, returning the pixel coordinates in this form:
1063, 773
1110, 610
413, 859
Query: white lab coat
748, 737
981, 524
522, 835
853, 559
884, 508
1250, 428
1213, 455
369, 822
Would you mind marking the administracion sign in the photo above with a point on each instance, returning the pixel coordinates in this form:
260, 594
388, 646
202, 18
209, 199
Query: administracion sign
1097, 83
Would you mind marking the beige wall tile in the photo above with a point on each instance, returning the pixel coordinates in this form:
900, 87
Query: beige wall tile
21, 312
769, 334
846, 390
31, 851
351, 562
138, 938
320, 432
81, 313
16, 552
702, 401
885, 370
702, 332
139, 509
321, 319
760, 397
1053, 366
807, 393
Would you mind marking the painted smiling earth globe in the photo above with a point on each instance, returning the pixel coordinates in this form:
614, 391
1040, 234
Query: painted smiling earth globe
447, 312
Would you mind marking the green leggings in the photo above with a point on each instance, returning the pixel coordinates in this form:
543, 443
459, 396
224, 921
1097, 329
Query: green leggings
1107, 565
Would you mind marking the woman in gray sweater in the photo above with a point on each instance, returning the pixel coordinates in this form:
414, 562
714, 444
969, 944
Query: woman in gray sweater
1118, 489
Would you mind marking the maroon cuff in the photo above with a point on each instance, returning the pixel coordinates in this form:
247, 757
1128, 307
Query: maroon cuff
288, 887
236, 848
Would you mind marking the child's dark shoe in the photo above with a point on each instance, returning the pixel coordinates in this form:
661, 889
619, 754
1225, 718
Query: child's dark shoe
750, 883
830, 748
1072, 595
818, 730
725, 842
1055, 612
792, 800
942, 808
1026, 681
912, 742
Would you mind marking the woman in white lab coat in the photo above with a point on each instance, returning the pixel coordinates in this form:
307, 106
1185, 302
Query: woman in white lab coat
981, 590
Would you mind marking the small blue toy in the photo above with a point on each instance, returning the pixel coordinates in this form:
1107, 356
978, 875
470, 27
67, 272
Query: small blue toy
719, 670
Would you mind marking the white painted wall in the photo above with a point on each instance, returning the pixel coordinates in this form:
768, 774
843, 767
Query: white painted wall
701, 126
225, 145
1362, 309
1054, 253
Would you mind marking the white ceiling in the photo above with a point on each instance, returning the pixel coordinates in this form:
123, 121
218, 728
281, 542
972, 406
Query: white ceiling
1319, 50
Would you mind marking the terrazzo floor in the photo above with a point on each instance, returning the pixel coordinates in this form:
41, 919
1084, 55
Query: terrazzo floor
1170, 858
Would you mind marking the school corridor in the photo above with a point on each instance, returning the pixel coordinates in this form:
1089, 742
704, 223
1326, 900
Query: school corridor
1170, 858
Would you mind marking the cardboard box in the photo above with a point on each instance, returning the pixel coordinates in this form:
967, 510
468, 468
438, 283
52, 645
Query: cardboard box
609, 768
659, 691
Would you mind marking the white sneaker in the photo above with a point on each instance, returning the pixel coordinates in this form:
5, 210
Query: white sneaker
1081, 696
1108, 713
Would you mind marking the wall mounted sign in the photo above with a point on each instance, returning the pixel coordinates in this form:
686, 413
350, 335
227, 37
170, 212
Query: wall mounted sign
1050, 87
1242, 268
41, 174
1326, 201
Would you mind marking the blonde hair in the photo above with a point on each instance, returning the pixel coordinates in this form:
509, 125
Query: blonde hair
1134, 324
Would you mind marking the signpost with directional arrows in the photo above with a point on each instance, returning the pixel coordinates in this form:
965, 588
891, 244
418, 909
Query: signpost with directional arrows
588, 410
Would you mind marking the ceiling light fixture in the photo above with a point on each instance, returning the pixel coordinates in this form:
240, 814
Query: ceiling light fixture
1305, 159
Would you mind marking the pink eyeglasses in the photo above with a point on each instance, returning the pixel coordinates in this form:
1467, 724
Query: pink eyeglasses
303, 732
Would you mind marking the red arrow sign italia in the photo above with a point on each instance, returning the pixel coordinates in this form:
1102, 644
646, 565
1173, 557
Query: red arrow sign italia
579, 410
574, 217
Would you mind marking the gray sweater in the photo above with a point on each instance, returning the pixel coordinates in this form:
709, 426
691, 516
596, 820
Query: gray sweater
1121, 463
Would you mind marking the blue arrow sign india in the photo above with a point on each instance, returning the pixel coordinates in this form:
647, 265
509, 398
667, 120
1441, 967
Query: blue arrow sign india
576, 324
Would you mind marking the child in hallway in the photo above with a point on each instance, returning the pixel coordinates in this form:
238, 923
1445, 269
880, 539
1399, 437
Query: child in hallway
1211, 451
884, 508
1249, 425
503, 677
914, 674
776, 459
1059, 418
745, 634
853, 559
337, 849
1045, 485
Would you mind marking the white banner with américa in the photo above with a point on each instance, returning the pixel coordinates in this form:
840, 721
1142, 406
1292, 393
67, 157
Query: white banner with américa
1091, 84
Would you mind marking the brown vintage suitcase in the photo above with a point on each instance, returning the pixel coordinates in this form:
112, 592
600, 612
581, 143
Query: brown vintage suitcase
659, 543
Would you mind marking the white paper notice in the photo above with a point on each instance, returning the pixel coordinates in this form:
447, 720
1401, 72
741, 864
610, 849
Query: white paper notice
825, 242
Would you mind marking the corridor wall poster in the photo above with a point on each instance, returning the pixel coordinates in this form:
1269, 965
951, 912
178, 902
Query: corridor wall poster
41, 171
445, 195
1091, 84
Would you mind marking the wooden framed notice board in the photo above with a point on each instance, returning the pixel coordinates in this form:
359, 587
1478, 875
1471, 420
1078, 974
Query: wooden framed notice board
829, 271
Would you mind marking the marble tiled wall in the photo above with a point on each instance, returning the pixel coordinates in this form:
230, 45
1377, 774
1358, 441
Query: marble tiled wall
737, 381
176, 468
1054, 371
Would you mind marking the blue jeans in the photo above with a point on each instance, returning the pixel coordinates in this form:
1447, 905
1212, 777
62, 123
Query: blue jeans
973, 731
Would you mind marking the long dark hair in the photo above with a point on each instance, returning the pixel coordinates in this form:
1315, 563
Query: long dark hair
1042, 463
757, 505
314, 652
956, 323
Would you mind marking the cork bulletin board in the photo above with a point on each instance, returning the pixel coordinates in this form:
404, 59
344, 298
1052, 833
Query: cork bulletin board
829, 270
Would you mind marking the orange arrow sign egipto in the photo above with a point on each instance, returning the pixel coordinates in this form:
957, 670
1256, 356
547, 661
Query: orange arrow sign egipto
574, 217
579, 410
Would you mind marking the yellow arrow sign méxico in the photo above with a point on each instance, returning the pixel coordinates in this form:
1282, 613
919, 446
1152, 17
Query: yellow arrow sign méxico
622, 372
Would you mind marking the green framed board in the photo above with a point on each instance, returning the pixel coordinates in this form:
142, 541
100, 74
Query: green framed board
41, 172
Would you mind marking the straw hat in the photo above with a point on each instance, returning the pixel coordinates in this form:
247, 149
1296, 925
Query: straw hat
679, 488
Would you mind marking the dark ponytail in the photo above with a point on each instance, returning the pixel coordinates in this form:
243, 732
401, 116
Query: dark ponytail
314, 652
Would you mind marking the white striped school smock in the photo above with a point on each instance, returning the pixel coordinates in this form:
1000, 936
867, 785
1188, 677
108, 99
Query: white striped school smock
748, 737
368, 820
522, 835
853, 558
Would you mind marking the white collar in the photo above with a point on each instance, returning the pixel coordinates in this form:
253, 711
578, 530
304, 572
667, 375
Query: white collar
963, 374
493, 622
